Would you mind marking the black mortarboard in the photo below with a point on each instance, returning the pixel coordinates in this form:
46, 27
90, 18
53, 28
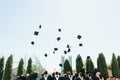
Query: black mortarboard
54, 52
55, 49
88, 57
80, 44
69, 50
32, 42
65, 52
40, 27
36, 33
68, 46
60, 65
59, 30
79, 36
58, 38
45, 55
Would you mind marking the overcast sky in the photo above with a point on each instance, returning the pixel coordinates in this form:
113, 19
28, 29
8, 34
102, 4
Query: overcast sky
97, 21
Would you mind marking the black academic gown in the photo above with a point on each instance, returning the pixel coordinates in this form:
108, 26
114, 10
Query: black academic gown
77, 78
87, 78
61, 78
96, 78
53, 78
42, 78
66, 78
27, 78
74, 78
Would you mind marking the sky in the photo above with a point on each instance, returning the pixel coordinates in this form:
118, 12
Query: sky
97, 21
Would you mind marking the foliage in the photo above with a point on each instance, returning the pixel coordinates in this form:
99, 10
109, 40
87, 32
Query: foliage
79, 64
29, 67
89, 66
1, 67
67, 66
20, 68
102, 66
118, 60
114, 66
8, 68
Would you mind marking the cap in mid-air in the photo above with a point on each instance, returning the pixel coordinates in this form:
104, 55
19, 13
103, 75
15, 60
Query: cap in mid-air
59, 30
80, 44
40, 26
58, 38
45, 55
32, 42
60, 65
36, 33
79, 36
55, 49
65, 52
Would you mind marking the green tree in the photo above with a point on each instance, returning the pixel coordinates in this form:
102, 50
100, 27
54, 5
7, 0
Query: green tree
79, 63
114, 66
29, 67
20, 68
89, 66
67, 66
1, 67
102, 66
8, 68
118, 60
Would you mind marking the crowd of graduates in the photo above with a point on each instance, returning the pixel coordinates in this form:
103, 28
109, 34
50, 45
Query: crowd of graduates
28, 76
69, 76
58, 76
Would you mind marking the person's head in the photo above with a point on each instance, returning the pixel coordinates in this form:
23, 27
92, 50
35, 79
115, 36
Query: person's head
98, 73
53, 74
79, 74
57, 73
46, 72
88, 73
69, 73
65, 75
27, 75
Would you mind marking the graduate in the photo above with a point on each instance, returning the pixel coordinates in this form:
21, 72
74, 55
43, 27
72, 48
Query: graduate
80, 76
97, 77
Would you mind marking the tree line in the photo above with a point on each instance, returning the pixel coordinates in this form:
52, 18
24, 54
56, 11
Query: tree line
6, 73
88, 66
102, 67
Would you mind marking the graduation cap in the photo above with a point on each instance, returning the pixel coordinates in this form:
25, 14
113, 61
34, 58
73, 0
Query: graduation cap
36, 33
58, 38
68, 46
60, 65
45, 55
65, 52
88, 57
40, 27
32, 42
79, 36
69, 50
80, 44
55, 49
59, 30
54, 52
